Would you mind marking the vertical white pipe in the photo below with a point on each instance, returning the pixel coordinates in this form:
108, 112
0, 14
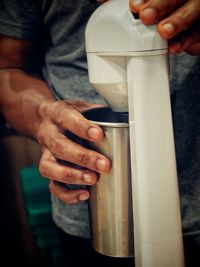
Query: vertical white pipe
157, 219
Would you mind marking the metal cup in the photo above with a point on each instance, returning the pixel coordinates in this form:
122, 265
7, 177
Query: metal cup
111, 202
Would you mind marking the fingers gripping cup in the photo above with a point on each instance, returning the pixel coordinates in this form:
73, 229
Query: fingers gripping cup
110, 201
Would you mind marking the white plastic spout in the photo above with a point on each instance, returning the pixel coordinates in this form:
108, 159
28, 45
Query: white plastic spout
112, 34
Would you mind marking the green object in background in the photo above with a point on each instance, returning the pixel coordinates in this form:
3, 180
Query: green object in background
37, 202
36, 196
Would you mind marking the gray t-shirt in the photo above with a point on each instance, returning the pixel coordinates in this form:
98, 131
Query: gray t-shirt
60, 27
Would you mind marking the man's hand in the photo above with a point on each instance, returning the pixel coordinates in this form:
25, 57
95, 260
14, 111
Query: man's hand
58, 118
178, 21
29, 107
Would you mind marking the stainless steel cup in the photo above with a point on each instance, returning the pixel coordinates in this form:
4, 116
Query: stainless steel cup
110, 201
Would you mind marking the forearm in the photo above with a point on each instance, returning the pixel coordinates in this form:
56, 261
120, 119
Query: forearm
20, 97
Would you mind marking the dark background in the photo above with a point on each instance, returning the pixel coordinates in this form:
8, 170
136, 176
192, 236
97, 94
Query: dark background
17, 242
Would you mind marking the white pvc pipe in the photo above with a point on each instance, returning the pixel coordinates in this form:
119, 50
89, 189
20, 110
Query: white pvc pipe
156, 207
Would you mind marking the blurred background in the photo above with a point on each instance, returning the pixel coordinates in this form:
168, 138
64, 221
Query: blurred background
26, 230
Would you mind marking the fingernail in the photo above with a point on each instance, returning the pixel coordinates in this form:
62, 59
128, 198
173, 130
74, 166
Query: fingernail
149, 14
93, 132
87, 177
137, 3
101, 165
167, 29
83, 197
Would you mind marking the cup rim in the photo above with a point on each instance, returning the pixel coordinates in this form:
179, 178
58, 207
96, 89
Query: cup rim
116, 119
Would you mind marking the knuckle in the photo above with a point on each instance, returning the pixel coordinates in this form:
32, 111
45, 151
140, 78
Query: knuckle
84, 157
43, 168
80, 126
43, 109
184, 17
55, 146
61, 115
69, 177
